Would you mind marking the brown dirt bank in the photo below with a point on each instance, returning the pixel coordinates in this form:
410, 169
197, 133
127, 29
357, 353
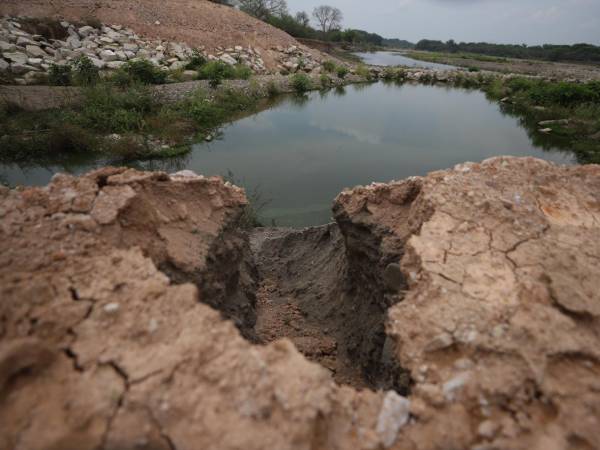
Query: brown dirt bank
195, 22
474, 289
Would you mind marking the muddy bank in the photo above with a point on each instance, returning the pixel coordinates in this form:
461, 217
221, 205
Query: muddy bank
464, 304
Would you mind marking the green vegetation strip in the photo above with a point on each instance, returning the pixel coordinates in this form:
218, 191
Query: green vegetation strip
560, 114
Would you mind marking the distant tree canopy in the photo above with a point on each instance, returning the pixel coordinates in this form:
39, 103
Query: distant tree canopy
547, 52
328, 18
263, 9
275, 12
398, 43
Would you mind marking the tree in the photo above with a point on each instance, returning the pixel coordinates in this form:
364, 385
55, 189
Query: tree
263, 9
328, 18
302, 18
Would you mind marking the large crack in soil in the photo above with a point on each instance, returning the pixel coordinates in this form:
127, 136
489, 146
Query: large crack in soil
308, 293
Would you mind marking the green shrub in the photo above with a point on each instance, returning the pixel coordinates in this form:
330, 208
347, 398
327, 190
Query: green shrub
60, 75
363, 72
325, 81
242, 72
389, 73
110, 109
342, 71
473, 69
70, 138
216, 72
273, 89
329, 66
196, 61
301, 82
85, 73
139, 71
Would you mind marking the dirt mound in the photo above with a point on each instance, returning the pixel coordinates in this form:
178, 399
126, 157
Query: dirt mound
195, 22
483, 275
498, 320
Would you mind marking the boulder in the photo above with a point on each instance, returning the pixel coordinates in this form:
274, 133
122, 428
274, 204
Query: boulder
130, 47
228, 59
4, 65
114, 65
7, 47
108, 55
85, 31
19, 69
16, 57
35, 51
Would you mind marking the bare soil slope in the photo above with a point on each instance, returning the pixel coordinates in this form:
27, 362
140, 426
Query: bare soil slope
195, 22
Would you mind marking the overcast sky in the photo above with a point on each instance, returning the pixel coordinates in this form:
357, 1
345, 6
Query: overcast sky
502, 21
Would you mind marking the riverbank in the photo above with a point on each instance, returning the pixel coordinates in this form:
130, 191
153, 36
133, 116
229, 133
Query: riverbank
551, 70
164, 121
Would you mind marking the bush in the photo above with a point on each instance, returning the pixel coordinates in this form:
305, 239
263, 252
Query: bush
242, 72
60, 75
325, 81
216, 72
342, 71
70, 138
363, 72
473, 69
196, 61
85, 72
139, 71
109, 109
301, 83
329, 66
273, 89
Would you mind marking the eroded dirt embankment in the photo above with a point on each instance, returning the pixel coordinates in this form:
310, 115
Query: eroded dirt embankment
473, 292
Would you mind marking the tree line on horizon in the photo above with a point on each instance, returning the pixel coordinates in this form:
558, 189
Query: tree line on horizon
548, 52
327, 22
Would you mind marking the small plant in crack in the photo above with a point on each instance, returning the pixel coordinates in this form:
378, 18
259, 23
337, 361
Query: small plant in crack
256, 203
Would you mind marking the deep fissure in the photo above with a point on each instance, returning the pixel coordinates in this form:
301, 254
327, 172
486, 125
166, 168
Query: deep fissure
310, 292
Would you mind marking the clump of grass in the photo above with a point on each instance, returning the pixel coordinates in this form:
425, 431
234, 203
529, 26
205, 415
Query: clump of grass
363, 72
196, 61
273, 89
329, 66
301, 83
208, 112
85, 73
139, 71
342, 71
217, 71
250, 217
325, 81
107, 108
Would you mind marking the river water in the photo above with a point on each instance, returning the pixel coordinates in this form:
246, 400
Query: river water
398, 59
302, 151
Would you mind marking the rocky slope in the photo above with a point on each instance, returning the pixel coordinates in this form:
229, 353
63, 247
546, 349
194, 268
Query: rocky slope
198, 23
483, 276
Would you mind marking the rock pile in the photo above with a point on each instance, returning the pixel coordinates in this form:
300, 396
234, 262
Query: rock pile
293, 59
28, 56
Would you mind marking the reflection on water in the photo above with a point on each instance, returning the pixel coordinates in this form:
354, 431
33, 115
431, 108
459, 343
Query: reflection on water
398, 59
303, 150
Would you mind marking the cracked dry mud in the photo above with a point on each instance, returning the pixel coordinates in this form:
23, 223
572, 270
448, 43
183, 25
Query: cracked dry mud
454, 311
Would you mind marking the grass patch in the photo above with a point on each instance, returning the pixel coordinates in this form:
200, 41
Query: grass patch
534, 100
342, 71
301, 83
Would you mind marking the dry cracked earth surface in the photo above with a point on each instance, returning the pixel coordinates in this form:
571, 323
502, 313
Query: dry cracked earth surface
454, 311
